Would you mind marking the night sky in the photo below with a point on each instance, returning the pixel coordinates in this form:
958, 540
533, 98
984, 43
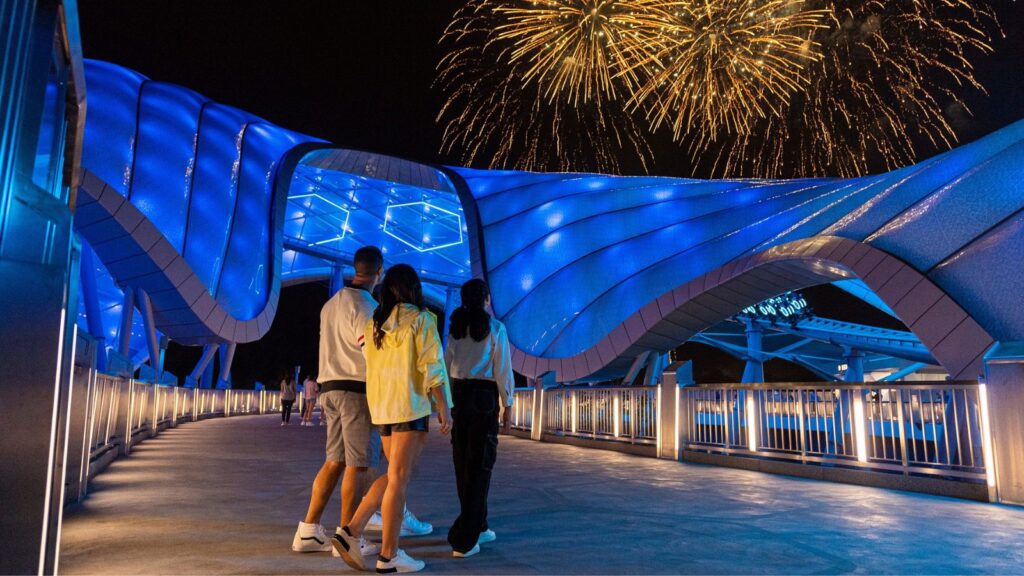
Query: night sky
359, 74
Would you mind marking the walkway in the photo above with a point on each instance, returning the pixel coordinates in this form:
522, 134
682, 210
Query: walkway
223, 496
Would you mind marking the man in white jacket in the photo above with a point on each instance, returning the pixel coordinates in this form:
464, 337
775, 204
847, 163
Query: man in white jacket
353, 443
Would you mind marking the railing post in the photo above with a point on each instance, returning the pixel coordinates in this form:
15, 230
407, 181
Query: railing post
726, 410
903, 431
537, 431
803, 423
1002, 425
668, 417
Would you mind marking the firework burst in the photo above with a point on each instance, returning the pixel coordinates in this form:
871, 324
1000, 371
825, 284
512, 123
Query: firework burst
579, 50
890, 74
723, 64
505, 110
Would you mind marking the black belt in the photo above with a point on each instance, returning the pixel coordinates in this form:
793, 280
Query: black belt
346, 385
475, 384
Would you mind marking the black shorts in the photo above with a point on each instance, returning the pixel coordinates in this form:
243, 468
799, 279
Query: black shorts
417, 425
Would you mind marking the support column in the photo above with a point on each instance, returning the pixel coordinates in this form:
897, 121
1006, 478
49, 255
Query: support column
854, 360
209, 351
337, 278
124, 334
227, 356
206, 381
93, 314
152, 340
753, 372
1002, 397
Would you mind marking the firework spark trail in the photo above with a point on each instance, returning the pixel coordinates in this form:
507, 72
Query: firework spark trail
760, 88
494, 115
722, 64
581, 49
889, 73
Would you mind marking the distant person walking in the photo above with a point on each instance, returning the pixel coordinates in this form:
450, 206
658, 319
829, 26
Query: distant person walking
480, 366
405, 381
288, 395
353, 443
310, 391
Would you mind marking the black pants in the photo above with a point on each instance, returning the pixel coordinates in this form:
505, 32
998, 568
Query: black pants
474, 447
286, 410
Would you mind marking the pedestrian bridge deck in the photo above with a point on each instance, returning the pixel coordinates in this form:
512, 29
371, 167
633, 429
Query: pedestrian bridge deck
224, 495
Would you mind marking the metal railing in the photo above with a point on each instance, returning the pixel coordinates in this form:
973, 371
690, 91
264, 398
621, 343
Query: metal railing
932, 428
121, 412
522, 409
626, 414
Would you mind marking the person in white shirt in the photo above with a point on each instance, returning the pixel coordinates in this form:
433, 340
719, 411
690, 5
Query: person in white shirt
353, 445
353, 442
310, 391
480, 366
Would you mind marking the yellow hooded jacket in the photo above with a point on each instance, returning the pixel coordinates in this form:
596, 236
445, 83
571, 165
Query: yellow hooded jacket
409, 364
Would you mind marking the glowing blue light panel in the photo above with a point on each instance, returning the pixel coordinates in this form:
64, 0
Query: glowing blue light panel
333, 213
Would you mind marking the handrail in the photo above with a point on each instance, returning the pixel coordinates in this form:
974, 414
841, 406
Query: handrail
121, 412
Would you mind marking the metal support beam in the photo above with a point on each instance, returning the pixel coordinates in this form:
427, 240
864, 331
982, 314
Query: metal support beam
124, 334
93, 313
753, 372
854, 360
227, 356
635, 367
152, 340
904, 373
208, 352
337, 278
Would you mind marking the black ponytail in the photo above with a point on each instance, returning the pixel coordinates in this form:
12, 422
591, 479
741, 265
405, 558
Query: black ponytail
471, 316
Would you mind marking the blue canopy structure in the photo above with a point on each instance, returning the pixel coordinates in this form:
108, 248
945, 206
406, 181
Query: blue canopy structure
206, 209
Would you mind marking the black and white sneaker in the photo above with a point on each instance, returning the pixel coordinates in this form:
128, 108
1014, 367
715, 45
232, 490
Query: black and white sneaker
401, 563
348, 546
311, 538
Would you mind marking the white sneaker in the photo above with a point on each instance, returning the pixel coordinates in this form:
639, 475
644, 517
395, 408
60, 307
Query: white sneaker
283, 423
475, 549
349, 548
399, 564
411, 525
311, 538
366, 547
487, 536
322, 423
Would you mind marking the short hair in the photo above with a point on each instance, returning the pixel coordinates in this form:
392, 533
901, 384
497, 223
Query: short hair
368, 260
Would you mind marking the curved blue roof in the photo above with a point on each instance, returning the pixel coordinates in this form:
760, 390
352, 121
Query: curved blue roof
207, 207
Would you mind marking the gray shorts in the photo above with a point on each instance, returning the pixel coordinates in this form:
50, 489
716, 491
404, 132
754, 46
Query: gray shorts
352, 439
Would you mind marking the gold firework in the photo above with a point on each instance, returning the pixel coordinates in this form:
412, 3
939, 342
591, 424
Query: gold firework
580, 50
502, 111
892, 74
722, 64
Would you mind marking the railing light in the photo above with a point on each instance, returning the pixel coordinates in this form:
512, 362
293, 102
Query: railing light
859, 426
751, 422
618, 414
986, 435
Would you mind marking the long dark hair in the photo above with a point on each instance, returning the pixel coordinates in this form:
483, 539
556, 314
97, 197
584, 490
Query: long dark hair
471, 316
401, 285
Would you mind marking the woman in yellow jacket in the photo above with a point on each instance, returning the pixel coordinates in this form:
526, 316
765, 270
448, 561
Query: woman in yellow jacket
406, 380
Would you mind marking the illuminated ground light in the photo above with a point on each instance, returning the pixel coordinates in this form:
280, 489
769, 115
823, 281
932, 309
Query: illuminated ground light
437, 227
344, 225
